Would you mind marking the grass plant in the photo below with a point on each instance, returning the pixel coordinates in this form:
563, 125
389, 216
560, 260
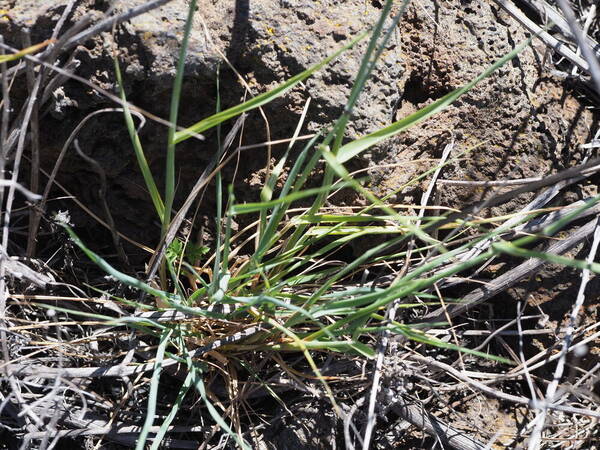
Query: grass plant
293, 285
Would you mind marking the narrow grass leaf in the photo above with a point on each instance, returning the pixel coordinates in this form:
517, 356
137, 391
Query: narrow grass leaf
159, 207
350, 150
173, 115
260, 206
199, 385
128, 280
321, 231
153, 394
187, 383
266, 193
26, 51
335, 346
259, 100
419, 336
510, 249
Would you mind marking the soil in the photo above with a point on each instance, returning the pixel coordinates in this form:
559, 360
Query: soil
521, 122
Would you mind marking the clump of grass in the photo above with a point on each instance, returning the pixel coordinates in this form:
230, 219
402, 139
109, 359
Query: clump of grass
291, 291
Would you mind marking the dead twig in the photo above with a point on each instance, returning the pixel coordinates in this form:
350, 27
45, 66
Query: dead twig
25, 370
588, 53
567, 341
427, 422
31, 196
391, 310
508, 279
545, 10
109, 22
546, 37
207, 175
498, 394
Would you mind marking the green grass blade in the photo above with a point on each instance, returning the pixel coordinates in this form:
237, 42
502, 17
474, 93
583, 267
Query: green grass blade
295, 181
335, 346
137, 148
347, 230
152, 396
259, 100
174, 112
218, 196
511, 249
266, 193
174, 410
199, 385
187, 383
367, 65
247, 208
124, 278
143, 325
370, 58
25, 51
172, 300
419, 336
354, 148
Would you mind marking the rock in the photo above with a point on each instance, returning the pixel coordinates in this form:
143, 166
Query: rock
520, 122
